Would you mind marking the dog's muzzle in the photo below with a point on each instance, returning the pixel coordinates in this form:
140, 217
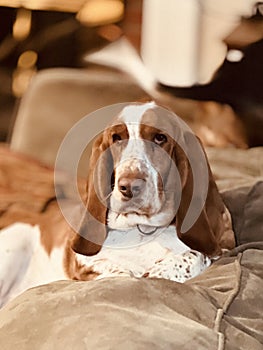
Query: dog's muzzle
131, 187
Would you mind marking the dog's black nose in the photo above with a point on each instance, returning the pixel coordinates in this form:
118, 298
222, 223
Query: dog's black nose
131, 187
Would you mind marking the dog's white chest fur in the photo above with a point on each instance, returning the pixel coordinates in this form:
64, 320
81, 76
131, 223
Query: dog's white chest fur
161, 255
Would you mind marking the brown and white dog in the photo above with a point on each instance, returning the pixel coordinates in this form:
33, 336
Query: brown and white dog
146, 173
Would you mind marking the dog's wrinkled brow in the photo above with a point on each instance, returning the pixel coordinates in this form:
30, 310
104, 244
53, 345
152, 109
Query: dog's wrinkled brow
119, 129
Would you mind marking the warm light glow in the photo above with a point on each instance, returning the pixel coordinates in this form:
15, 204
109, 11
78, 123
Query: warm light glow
51, 5
234, 55
21, 80
22, 24
100, 12
110, 32
26, 69
27, 59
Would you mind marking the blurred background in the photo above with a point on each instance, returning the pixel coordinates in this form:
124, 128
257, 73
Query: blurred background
202, 58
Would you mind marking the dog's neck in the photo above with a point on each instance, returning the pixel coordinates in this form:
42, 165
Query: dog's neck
131, 253
117, 221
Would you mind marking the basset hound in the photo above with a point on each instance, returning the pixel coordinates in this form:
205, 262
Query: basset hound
152, 206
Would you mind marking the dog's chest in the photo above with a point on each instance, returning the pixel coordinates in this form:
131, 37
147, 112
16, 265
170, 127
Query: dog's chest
161, 255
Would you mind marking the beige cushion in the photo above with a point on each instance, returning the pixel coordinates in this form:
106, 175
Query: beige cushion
220, 309
57, 98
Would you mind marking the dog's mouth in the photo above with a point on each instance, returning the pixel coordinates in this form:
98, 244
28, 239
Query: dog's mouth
135, 208
137, 190
147, 202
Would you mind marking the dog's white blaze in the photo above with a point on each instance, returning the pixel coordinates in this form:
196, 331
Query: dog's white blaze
135, 152
134, 113
134, 158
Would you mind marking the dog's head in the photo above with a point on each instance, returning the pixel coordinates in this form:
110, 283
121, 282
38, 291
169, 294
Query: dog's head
148, 169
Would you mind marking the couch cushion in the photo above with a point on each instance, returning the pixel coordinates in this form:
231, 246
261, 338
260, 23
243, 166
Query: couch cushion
245, 205
220, 309
58, 98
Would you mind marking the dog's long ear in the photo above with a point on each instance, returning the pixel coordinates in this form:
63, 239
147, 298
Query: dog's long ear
201, 220
92, 230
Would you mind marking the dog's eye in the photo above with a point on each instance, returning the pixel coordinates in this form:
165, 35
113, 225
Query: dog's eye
160, 139
116, 137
